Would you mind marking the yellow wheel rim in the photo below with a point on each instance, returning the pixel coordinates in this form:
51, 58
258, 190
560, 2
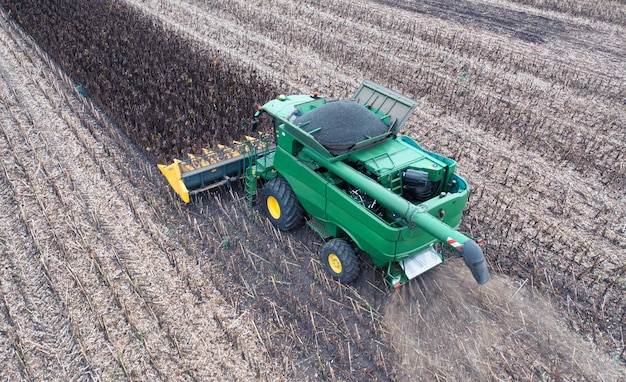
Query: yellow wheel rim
273, 207
335, 263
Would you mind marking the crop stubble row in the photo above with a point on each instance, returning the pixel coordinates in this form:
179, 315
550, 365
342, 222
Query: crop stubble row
503, 92
492, 99
106, 293
608, 10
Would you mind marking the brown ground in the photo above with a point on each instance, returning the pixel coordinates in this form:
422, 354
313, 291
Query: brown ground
106, 276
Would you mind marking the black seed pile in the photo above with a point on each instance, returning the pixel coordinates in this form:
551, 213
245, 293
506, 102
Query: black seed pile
343, 123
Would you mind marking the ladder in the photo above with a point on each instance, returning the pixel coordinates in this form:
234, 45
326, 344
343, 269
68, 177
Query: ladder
250, 176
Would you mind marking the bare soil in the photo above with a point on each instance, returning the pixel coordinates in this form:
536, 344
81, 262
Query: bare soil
106, 275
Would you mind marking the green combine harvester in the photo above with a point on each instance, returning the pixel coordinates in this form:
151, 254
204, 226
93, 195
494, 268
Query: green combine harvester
343, 167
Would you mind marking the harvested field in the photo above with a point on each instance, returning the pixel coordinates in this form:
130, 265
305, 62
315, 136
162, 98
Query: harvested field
92, 286
107, 276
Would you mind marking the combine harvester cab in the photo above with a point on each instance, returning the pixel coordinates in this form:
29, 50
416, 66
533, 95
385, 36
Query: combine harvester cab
342, 166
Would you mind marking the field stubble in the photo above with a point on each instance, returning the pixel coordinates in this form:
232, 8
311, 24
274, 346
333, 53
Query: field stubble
537, 129
91, 286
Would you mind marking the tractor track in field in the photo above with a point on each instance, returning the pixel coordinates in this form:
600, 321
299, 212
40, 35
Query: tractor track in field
498, 19
96, 251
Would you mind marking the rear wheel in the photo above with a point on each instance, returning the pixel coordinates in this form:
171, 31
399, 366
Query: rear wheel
340, 260
280, 205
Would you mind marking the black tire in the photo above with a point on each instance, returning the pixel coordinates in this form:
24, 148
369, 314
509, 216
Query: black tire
280, 205
340, 260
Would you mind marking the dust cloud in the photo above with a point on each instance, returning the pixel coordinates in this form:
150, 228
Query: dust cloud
447, 328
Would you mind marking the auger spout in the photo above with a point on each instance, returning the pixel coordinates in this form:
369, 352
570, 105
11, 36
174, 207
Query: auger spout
475, 261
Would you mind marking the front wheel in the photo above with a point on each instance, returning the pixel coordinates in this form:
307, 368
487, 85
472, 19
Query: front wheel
280, 205
340, 260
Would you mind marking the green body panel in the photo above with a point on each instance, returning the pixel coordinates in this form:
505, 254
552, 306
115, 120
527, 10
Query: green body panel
360, 194
317, 179
308, 185
417, 227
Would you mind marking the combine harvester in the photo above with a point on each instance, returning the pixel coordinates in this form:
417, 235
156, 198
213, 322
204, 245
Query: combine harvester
343, 167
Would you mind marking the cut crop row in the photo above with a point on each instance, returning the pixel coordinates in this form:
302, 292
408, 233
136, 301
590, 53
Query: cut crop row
565, 113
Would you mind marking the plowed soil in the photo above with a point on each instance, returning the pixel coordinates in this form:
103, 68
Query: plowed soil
106, 275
